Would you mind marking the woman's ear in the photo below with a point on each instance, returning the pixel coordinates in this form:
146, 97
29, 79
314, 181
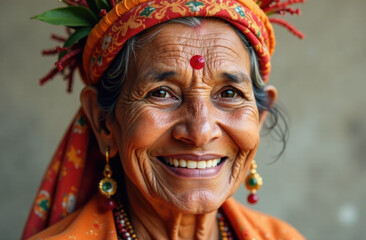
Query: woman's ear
271, 93
97, 120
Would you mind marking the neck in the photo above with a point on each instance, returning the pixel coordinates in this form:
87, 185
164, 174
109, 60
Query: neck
156, 221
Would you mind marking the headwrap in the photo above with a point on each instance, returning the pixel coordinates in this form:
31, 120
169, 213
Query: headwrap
101, 29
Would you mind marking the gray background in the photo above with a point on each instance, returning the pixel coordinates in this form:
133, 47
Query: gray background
318, 185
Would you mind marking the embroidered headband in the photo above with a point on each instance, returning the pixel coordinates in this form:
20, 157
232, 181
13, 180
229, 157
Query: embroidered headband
120, 20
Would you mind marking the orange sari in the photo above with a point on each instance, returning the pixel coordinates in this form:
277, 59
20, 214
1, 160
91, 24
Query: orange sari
90, 223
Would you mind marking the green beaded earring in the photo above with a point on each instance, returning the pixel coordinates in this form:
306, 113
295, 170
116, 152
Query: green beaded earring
253, 182
108, 186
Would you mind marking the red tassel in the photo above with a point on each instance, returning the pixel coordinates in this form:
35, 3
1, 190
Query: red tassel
62, 49
65, 59
49, 76
287, 25
55, 50
58, 38
280, 6
284, 11
50, 51
70, 2
76, 2
70, 76
69, 61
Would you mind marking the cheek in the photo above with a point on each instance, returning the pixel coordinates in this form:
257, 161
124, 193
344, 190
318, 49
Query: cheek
141, 127
243, 127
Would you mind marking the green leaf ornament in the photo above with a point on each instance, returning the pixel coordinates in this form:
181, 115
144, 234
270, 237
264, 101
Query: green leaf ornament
73, 16
74, 38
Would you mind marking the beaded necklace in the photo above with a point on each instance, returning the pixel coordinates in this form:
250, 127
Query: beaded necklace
125, 229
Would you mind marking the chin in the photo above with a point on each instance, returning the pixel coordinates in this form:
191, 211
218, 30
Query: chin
197, 202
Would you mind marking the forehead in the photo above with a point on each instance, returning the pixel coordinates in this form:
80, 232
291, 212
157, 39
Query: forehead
174, 44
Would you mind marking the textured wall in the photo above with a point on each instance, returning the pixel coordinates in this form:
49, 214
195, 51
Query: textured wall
318, 185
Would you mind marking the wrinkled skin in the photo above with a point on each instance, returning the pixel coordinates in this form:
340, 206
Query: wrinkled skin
167, 108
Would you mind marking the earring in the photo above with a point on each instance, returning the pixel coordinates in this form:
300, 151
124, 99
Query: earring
253, 182
108, 186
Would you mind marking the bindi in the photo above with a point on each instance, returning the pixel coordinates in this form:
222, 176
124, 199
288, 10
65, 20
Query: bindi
197, 62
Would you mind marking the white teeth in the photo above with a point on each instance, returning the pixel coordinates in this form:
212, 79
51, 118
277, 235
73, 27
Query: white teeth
209, 163
182, 163
192, 164
201, 164
176, 163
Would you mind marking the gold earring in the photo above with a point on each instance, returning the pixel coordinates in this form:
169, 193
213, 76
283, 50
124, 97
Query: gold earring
253, 182
108, 186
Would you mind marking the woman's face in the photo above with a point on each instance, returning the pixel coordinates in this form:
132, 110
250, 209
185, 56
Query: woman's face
173, 124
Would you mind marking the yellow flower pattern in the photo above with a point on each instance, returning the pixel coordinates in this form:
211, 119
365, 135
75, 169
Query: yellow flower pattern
73, 156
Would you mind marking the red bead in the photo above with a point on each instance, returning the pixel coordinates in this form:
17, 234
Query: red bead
197, 62
109, 204
252, 198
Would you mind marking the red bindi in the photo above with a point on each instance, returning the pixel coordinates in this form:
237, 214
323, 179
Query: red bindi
197, 62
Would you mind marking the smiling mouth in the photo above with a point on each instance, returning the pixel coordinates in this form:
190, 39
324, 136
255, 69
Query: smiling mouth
190, 164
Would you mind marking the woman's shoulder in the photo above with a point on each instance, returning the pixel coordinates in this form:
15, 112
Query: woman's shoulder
251, 224
87, 223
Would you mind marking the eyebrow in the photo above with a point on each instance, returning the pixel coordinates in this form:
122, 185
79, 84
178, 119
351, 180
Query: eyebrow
159, 76
237, 77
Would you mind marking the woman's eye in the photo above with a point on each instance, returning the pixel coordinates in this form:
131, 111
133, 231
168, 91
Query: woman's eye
161, 93
229, 93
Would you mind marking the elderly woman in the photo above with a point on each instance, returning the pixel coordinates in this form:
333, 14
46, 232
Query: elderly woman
175, 100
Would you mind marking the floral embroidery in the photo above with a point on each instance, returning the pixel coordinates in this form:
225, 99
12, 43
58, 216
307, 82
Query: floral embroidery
79, 126
100, 60
194, 6
147, 11
106, 41
68, 204
73, 156
240, 11
42, 205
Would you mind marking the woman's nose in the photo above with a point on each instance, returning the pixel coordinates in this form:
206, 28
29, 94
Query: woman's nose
198, 127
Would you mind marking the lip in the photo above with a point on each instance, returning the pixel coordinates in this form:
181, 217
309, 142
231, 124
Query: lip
194, 173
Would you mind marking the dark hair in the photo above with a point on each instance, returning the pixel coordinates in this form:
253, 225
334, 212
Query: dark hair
110, 84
